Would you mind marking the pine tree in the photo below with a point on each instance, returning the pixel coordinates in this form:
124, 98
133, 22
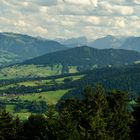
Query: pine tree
99, 116
7, 126
119, 119
35, 128
136, 125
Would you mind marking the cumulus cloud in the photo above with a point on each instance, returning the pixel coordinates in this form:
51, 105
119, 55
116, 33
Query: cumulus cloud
137, 1
82, 2
45, 2
119, 22
114, 10
69, 18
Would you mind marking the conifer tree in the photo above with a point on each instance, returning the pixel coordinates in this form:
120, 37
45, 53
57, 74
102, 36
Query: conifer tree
120, 118
7, 126
136, 125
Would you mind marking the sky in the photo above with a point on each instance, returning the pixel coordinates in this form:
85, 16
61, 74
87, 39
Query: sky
71, 18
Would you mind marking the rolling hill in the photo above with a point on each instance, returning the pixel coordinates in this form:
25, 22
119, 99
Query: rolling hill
72, 60
87, 58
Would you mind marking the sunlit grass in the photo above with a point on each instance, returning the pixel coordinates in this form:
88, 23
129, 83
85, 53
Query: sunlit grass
51, 97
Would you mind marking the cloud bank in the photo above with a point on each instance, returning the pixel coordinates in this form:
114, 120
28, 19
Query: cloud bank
71, 18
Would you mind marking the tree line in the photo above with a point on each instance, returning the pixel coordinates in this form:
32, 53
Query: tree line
100, 115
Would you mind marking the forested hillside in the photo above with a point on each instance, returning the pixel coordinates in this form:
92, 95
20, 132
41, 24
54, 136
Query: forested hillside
86, 58
123, 78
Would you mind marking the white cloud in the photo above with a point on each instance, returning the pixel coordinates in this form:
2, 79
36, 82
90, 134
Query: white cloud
83, 2
43, 9
93, 20
137, 1
119, 22
41, 30
115, 10
123, 10
68, 18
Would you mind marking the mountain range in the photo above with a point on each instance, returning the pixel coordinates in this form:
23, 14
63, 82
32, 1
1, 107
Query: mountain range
16, 48
109, 41
22, 47
73, 42
131, 43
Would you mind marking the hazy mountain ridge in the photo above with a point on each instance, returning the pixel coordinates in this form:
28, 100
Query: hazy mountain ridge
73, 42
131, 43
108, 41
8, 58
26, 47
23, 47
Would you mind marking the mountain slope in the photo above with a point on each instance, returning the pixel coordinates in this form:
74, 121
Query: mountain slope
122, 78
107, 42
73, 42
131, 43
27, 47
70, 61
86, 57
8, 58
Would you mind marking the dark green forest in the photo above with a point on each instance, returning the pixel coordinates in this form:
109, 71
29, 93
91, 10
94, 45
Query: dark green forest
100, 115
87, 58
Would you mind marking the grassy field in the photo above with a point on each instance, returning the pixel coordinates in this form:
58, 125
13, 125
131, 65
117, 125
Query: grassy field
28, 71
47, 82
20, 71
51, 97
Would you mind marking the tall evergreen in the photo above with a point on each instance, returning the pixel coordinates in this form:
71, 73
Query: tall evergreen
136, 125
7, 126
120, 118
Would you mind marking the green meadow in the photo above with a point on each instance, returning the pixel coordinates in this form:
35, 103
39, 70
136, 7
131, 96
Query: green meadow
51, 97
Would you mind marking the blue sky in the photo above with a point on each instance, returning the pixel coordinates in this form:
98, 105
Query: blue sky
71, 18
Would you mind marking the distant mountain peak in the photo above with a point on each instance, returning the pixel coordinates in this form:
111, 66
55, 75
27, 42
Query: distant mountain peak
131, 43
106, 42
74, 42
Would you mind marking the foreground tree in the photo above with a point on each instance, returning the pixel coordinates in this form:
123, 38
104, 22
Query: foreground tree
87, 118
36, 128
120, 118
136, 125
7, 126
99, 115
